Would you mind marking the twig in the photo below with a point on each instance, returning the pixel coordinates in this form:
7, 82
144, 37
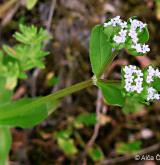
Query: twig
34, 77
6, 6
11, 13
97, 126
125, 158
19, 92
96, 129
115, 63
48, 26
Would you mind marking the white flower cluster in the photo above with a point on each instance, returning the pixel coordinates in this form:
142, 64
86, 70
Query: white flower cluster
136, 24
152, 94
133, 81
121, 37
133, 78
132, 32
151, 73
116, 21
141, 48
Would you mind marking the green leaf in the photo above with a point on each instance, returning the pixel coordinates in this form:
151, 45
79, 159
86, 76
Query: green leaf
112, 93
144, 35
64, 134
53, 81
156, 84
130, 148
96, 154
87, 119
5, 144
132, 105
65, 142
30, 4
5, 95
67, 145
26, 112
9, 51
109, 31
100, 50
31, 35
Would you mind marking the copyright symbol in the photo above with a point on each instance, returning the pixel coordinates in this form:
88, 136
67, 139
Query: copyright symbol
137, 157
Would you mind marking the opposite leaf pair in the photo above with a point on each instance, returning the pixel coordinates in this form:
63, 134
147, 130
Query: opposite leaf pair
105, 42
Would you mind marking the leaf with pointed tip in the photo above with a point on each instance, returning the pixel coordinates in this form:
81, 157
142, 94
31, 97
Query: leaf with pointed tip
26, 112
100, 50
144, 35
112, 93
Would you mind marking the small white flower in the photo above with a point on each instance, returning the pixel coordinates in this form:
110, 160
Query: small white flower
145, 48
157, 73
137, 47
128, 87
121, 37
139, 79
114, 22
127, 69
139, 72
157, 97
152, 94
141, 48
133, 79
133, 34
123, 24
107, 24
118, 39
139, 89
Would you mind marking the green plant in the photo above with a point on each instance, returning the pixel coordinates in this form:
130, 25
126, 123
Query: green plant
128, 148
30, 4
106, 41
14, 62
66, 138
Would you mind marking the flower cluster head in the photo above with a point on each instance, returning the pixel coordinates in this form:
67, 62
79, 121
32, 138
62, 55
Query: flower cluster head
116, 21
133, 79
121, 37
128, 31
137, 82
136, 26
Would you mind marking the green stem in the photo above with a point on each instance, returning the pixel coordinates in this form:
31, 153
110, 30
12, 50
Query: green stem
64, 92
5, 144
67, 91
45, 99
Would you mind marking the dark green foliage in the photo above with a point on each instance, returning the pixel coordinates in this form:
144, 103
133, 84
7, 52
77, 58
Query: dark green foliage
100, 50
